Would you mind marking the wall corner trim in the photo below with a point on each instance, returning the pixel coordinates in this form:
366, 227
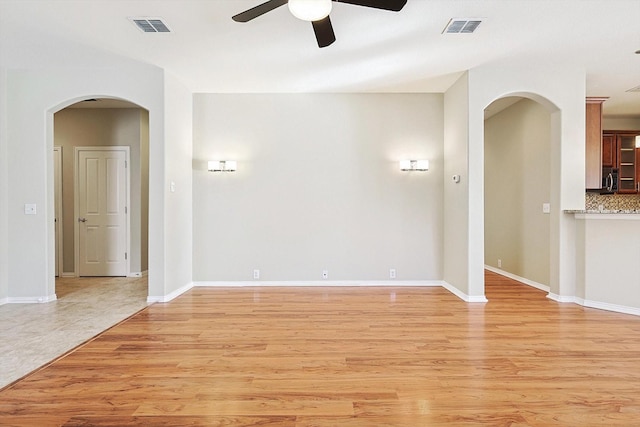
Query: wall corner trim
166, 298
464, 297
562, 298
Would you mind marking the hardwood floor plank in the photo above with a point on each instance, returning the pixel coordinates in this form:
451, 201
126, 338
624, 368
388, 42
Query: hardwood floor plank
163, 421
345, 356
270, 407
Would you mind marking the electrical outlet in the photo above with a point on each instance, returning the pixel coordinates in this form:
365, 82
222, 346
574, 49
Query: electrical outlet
392, 273
256, 274
499, 263
325, 274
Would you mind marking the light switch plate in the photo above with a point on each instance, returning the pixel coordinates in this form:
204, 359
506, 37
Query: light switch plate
546, 208
29, 208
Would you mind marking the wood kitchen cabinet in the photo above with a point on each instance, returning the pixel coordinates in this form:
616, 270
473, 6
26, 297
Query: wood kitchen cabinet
624, 156
593, 140
627, 163
609, 157
638, 168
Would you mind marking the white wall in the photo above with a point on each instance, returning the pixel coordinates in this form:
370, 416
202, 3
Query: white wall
32, 98
620, 123
4, 185
456, 195
144, 188
608, 249
318, 187
563, 96
517, 183
178, 205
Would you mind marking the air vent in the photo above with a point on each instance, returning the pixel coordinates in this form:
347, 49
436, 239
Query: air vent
462, 26
150, 25
634, 89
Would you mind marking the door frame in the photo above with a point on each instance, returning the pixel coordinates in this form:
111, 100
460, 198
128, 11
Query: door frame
59, 221
76, 202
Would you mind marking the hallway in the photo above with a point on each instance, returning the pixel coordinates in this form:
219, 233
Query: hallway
32, 335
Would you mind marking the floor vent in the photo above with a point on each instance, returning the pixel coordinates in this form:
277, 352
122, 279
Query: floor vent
150, 25
461, 26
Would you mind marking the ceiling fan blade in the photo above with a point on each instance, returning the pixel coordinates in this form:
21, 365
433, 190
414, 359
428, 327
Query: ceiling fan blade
393, 5
324, 32
260, 9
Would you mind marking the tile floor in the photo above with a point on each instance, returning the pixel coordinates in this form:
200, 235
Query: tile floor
33, 334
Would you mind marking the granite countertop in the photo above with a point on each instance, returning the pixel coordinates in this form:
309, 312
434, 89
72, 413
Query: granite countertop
604, 211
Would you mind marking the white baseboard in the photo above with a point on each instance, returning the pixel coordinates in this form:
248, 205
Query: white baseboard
67, 274
172, 295
464, 297
562, 298
624, 309
317, 283
31, 300
4, 301
134, 274
344, 283
518, 278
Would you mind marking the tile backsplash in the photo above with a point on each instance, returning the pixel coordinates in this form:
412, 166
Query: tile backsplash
612, 202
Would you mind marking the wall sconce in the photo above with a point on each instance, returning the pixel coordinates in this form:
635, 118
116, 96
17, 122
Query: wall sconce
414, 165
222, 166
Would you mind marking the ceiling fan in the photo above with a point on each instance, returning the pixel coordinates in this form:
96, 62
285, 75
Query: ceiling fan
316, 12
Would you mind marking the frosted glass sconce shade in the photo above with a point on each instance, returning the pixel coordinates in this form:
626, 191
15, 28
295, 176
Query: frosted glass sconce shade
222, 166
414, 165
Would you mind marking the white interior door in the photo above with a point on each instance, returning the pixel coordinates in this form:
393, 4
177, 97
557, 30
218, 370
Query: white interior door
102, 198
57, 185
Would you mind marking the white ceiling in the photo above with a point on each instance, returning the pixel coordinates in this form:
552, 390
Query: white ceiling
375, 51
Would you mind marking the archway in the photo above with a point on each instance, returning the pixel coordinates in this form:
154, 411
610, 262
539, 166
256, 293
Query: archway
100, 122
521, 188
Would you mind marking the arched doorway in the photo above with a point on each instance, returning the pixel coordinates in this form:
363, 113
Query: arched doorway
98, 123
520, 199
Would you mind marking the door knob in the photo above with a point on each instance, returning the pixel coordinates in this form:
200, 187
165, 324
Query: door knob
82, 219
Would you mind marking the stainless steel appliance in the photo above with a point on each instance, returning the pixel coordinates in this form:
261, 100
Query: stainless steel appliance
609, 180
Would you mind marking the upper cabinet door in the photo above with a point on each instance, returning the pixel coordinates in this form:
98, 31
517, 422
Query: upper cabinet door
593, 143
609, 157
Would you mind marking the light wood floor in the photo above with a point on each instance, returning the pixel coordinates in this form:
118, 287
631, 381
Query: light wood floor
345, 357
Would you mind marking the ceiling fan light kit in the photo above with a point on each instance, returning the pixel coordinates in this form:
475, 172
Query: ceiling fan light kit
316, 12
310, 10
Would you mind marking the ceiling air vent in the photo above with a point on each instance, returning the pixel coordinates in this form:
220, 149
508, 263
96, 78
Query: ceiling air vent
462, 26
150, 25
